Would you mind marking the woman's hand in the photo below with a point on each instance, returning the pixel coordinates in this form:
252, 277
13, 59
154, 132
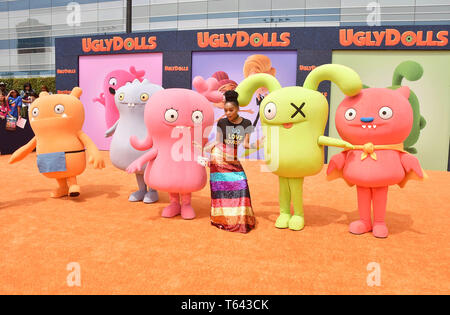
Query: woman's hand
208, 147
260, 142
203, 161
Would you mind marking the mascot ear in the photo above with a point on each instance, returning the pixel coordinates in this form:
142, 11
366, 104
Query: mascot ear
76, 92
137, 74
208, 88
410, 70
404, 90
42, 94
247, 88
345, 78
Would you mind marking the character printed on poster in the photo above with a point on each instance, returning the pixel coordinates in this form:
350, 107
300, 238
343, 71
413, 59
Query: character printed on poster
226, 84
253, 65
259, 64
238, 66
112, 82
100, 78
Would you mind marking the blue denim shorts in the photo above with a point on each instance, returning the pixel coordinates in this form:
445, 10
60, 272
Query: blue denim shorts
52, 162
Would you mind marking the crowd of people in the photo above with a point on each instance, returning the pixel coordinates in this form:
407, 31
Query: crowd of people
14, 104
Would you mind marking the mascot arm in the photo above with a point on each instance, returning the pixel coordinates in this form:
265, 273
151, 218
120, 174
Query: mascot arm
22, 152
111, 130
332, 142
137, 165
411, 164
100, 99
337, 162
95, 158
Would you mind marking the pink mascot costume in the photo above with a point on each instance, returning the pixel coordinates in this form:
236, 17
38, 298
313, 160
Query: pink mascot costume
113, 81
176, 119
377, 122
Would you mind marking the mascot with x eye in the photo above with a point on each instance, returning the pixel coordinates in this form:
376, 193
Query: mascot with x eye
294, 120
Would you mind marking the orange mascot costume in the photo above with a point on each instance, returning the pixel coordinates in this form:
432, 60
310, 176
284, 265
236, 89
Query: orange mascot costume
61, 145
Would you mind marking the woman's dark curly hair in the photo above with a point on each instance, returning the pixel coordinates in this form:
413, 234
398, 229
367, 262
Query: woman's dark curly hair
232, 97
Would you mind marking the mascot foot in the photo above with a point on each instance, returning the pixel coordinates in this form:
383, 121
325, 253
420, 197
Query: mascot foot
151, 196
296, 223
171, 210
187, 212
60, 192
359, 227
283, 221
137, 196
380, 230
74, 191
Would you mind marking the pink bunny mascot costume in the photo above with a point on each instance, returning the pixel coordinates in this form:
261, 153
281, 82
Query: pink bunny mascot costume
175, 119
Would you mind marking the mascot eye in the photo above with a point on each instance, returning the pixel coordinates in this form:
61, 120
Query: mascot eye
113, 81
171, 115
197, 117
270, 111
350, 114
59, 109
35, 112
385, 112
144, 97
121, 96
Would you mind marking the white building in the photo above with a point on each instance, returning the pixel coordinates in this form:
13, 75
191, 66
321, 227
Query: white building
28, 27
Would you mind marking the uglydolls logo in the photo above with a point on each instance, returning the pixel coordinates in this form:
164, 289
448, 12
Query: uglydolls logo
392, 37
66, 71
118, 43
243, 39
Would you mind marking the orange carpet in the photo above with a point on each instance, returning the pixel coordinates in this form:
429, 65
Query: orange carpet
128, 248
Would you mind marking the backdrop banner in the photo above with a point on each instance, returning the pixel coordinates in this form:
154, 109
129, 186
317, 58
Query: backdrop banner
173, 58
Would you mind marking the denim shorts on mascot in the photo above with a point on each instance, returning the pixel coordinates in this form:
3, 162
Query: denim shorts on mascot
61, 145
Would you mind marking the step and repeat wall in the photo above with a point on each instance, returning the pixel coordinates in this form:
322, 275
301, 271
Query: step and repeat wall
101, 64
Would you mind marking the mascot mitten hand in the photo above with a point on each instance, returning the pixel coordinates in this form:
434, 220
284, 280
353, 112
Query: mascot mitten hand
337, 162
135, 167
96, 160
411, 164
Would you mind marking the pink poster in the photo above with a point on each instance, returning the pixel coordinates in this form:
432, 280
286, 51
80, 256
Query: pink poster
94, 72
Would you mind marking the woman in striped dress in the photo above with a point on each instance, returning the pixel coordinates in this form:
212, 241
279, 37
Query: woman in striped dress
231, 206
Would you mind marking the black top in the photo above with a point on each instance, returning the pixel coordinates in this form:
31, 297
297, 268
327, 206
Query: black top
234, 134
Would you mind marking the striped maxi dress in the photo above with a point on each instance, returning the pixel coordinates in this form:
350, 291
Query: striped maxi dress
231, 206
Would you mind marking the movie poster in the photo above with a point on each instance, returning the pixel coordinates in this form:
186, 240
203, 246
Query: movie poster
101, 76
230, 68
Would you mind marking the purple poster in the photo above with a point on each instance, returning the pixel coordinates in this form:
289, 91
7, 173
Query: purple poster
230, 68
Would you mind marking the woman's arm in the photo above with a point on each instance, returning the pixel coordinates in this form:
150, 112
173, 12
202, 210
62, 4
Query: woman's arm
208, 148
247, 141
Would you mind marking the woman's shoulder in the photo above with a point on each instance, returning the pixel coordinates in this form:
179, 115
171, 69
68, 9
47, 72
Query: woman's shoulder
222, 121
246, 122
